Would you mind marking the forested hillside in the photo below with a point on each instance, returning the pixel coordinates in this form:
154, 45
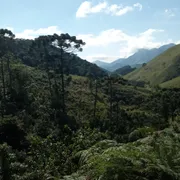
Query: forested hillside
124, 70
73, 64
60, 126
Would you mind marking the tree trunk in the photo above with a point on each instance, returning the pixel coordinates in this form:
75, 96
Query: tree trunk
62, 82
95, 101
49, 81
4, 167
117, 113
3, 89
110, 85
10, 74
47, 71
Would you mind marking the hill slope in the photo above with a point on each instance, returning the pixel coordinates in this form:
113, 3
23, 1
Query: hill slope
72, 64
174, 83
124, 70
163, 68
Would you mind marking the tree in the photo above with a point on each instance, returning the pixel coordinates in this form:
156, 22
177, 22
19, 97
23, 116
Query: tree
3, 88
6, 37
4, 164
52, 51
110, 79
39, 48
66, 44
95, 99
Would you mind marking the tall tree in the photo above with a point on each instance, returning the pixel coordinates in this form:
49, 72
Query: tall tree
110, 79
9, 72
95, 100
4, 165
39, 48
3, 88
66, 44
6, 37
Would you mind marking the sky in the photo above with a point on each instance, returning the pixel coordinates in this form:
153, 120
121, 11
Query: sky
112, 29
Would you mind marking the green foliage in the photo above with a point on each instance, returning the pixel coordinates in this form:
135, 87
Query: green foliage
140, 133
72, 63
90, 139
124, 70
154, 158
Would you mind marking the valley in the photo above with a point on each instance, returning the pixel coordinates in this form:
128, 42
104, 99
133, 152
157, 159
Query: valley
64, 118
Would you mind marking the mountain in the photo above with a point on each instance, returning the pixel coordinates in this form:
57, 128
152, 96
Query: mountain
101, 64
110, 66
163, 68
140, 57
145, 55
124, 70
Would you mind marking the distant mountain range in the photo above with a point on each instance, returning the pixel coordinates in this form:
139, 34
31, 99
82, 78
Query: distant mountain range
140, 57
164, 70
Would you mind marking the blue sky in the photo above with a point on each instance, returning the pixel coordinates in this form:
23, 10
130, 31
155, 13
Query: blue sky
110, 28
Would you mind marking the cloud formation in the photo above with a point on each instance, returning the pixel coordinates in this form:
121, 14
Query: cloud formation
108, 45
169, 12
102, 57
124, 44
110, 36
31, 33
87, 8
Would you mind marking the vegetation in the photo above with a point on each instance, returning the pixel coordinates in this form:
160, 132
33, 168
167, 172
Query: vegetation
24, 50
174, 83
124, 70
59, 125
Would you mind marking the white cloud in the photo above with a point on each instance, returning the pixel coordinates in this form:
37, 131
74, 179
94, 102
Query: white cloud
120, 11
124, 44
31, 33
9, 28
111, 36
102, 57
178, 42
108, 45
87, 8
138, 5
104, 38
169, 12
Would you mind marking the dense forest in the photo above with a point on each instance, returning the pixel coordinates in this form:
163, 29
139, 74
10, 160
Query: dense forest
63, 118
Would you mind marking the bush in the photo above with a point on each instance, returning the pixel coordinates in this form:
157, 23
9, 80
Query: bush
140, 133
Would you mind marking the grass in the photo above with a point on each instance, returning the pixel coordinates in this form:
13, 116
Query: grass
174, 83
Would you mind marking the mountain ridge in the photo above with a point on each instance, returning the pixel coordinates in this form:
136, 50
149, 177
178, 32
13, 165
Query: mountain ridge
161, 69
140, 57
